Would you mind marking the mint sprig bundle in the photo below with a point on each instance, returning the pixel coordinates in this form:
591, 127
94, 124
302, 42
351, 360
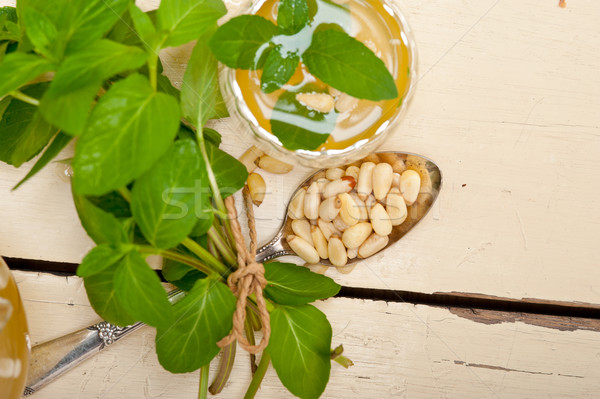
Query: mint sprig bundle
146, 183
302, 34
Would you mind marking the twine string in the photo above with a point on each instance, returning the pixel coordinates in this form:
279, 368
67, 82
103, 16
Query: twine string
248, 279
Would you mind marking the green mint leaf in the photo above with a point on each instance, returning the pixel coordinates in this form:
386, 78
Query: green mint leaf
67, 102
202, 318
129, 129
182, 276
289, 284
18, 69
8, 13
278, 69
143, 24
23, 131
186, 20
60, 141
43, 34
300, 346
114, 203
298, 127
167, 200
100, 258
124, 32
164, 85
349, 66
292, 16
231, 174
200, 89
236, 43
100, 290
212, 136
140, 292
101, 226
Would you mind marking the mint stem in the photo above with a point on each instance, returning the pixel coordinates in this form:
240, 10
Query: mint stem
249, 330
258, 376
219, 241
152, 68
225, 368
125, 193
25, 98
196, 264
203, 391
206, 256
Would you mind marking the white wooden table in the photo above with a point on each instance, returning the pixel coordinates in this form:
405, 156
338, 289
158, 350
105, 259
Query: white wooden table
507, 105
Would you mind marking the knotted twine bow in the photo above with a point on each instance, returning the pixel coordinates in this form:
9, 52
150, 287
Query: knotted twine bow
247, 279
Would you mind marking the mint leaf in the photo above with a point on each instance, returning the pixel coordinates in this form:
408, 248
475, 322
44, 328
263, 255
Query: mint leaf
200, 89
129, 129
278, 69
100, 290
67, 102
236, 43
100, 258
231, 174
140, 293
300, 346
143, 25
102, 227
182, 276
298, 127
43, 34
60, 141
292, 16
289, 284
349, 66
202, 318
167, 200
23, 131
18, 69
186, 20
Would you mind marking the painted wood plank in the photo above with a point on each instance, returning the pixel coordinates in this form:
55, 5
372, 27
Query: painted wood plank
399, 350
506, 105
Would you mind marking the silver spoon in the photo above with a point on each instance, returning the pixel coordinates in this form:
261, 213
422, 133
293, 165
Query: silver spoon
51, 359
278, 246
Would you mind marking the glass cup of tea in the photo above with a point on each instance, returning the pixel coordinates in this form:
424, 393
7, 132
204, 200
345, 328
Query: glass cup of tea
14, 337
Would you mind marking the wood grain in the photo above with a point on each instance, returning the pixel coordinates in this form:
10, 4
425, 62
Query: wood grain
399, 351
507, 105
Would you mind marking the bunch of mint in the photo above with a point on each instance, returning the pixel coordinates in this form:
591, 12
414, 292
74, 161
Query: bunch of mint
150, 179
304, 33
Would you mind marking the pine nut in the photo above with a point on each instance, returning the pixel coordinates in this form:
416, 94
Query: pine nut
382, 180
273, 165
328, 229
345, 103
249, 157
372, 245
321, 102
396, 180
399, 166
303, 249
410, 184
364, 213
296, 207
354, 236
364, 185
380, 220
419, 165
333, 92
388, 157
349, 212
370, 203
311, 202
396, 207
321, 183
334, 173
302, 228
257, 188
337, 251
330, 208
339, 186
347, 268
353, 172
319, 241
316, 268
352, 253
339, 224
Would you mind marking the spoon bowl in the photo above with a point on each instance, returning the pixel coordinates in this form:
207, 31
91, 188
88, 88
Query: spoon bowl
429, 173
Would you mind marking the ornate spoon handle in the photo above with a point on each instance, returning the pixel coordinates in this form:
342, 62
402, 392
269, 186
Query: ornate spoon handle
54, 358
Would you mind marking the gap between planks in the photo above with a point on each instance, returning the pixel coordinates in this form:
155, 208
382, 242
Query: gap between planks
487, 309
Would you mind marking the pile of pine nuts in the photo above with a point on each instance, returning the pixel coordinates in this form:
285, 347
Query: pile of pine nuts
348, 212
253, 158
